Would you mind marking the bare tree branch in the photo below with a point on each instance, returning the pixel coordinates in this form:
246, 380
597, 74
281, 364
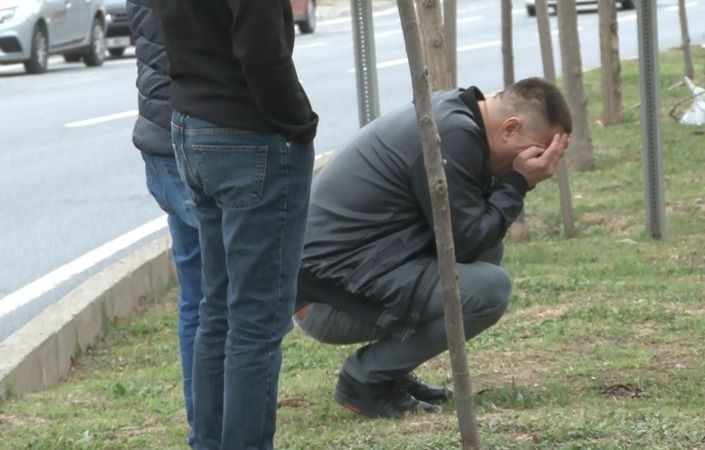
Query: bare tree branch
549, 72
580, 154
438, 188
611, 65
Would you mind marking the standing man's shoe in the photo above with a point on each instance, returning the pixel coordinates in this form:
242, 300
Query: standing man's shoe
386, 399
421, 391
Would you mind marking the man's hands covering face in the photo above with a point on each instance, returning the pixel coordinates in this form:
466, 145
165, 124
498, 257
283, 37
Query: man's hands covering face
537, 164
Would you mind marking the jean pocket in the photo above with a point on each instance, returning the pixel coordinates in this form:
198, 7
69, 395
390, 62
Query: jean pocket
233, 175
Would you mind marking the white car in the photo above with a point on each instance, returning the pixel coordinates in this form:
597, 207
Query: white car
531, 4
31, 30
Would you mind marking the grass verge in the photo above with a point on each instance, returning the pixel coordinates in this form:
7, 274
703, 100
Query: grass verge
601, 348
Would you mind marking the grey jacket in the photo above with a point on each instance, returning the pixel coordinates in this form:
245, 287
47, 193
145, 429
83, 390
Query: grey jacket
152, 132
370, 218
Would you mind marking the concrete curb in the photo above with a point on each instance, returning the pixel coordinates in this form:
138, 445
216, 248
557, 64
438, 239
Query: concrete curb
40, 353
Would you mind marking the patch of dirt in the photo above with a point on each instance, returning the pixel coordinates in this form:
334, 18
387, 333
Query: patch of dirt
132, 431
427, 424
541, 313
294, 403
613, 223
622, 390
688, 309
696, 205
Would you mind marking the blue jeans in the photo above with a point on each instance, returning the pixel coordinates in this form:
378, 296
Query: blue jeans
251, 191
167, 188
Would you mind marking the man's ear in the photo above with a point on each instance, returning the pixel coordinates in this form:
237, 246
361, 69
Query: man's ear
510, 126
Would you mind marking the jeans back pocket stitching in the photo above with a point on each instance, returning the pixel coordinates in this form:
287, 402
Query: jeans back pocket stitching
261, 152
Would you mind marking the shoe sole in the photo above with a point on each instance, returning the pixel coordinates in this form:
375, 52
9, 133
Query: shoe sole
349, 404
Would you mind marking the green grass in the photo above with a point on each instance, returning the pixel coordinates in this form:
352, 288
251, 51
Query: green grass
602, 347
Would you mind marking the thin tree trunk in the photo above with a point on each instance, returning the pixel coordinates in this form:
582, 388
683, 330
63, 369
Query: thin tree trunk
685, 36
450, 25
442, 227
549, 72
430, 21
507, 45
612, 113
580, 154
519, 231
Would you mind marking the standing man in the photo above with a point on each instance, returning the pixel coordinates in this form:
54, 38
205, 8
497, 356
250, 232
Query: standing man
370, 273
152, 135
242, 129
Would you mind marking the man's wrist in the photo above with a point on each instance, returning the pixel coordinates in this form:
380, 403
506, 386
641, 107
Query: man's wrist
517, 181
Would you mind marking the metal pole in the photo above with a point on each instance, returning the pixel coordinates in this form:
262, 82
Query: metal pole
651, 119
365, 61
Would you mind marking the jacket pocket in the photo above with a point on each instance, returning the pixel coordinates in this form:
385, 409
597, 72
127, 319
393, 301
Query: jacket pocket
378, 264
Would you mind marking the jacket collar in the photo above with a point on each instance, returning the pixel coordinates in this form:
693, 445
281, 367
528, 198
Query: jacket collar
470, 97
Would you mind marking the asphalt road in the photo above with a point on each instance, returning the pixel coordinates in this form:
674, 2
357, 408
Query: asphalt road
70, 180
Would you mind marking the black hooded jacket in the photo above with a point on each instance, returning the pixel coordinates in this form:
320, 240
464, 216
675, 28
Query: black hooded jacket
152, 132
231, 62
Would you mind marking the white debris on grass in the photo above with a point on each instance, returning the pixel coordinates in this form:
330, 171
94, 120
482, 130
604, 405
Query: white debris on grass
695, 115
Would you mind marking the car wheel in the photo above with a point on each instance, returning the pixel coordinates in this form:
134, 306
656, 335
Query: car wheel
627, 4
531, 10
308, 25
39, 56
96, 51
116, 52
72, 57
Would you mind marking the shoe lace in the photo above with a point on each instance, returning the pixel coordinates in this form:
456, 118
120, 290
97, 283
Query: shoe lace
412, 378
400, 394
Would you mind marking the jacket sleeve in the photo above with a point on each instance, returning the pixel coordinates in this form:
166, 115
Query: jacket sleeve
152, 130
480, 214
261, 36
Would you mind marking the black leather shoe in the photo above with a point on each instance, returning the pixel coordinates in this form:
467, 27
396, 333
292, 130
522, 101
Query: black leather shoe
386, 399
421, 391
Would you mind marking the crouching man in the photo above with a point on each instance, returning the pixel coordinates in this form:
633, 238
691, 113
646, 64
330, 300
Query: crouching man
369, 272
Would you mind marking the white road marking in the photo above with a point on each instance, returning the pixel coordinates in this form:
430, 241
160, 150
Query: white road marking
348, 19
388, 33
399, 31
120, 62
51, 280
487, 44
11, 68
41, 286
70, 82
626, 18
102, 119
464, 48
310, 45
471, 19
555, 33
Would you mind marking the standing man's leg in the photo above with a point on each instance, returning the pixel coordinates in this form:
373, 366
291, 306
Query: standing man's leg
170, 192
251, 191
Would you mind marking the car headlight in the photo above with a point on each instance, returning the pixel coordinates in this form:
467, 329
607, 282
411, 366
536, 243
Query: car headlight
6, 14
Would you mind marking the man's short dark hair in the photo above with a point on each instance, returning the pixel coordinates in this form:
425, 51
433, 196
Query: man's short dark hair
539, 96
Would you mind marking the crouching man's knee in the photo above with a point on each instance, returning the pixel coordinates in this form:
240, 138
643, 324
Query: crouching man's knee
485, 290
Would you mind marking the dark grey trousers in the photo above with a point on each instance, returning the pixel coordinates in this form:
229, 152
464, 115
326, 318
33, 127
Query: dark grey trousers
484, 293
